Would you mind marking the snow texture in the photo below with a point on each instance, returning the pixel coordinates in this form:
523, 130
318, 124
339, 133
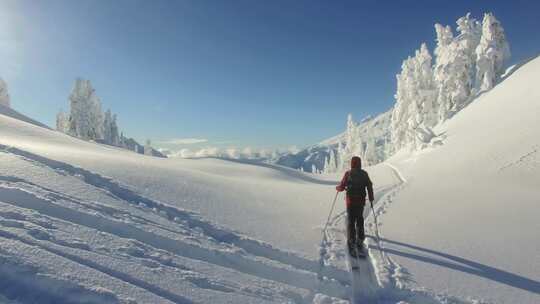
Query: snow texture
455, 222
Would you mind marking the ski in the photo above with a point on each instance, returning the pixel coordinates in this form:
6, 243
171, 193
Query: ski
353, 258
361, 252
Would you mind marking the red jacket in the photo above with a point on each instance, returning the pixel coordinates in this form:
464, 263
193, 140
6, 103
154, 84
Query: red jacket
355, 200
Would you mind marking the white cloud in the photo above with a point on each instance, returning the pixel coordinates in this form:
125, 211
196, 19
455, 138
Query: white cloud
293, 149
183, 141
208, 152
231, 152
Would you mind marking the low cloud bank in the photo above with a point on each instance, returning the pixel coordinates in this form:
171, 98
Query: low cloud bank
231, 153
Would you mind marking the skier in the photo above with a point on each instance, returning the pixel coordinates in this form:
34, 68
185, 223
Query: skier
355, 181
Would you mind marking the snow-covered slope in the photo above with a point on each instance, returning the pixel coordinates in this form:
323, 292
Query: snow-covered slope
467, 219
87, 223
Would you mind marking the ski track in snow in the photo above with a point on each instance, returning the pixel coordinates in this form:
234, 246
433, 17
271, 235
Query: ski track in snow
191, 219
44, 290
379, 279
530, 159
241, 254
365, 287
391, 276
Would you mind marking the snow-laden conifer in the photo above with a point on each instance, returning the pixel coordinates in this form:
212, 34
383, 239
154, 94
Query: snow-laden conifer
492, 51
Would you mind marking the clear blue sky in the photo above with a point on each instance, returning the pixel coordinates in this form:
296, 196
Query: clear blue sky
242, 73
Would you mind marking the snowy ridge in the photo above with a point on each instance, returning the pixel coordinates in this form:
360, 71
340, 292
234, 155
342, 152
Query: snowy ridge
4, 110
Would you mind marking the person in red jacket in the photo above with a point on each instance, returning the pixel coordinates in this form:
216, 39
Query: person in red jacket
356, 181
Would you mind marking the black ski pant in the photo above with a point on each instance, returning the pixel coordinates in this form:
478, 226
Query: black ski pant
355, 223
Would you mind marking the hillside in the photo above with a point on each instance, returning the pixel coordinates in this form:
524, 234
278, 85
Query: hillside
467, 220
104, 225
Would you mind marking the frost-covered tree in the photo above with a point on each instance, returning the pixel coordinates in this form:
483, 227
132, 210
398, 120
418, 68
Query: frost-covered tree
4, 94
86, 117
470, 31
110, 129
351, 145
415, 100
62, 122
331, 164
441, 70
491, 53
96, 118
428, 95
455, 66
339, 157
107, 127
370, 133
370, 153
400, 113
425, 96
115, 138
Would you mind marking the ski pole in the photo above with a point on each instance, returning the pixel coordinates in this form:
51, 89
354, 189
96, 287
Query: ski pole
331, 211
324, 240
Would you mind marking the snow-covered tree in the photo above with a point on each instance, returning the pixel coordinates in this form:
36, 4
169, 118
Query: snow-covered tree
86, 117
107, 127
491, 53
428, 95
470, 31
331, 165
351, 145
115, 138
62, 122
425, 98
443, 58
4, 94
110, 129
415, 99
370, 154
400, 113
455, 66
96, 118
